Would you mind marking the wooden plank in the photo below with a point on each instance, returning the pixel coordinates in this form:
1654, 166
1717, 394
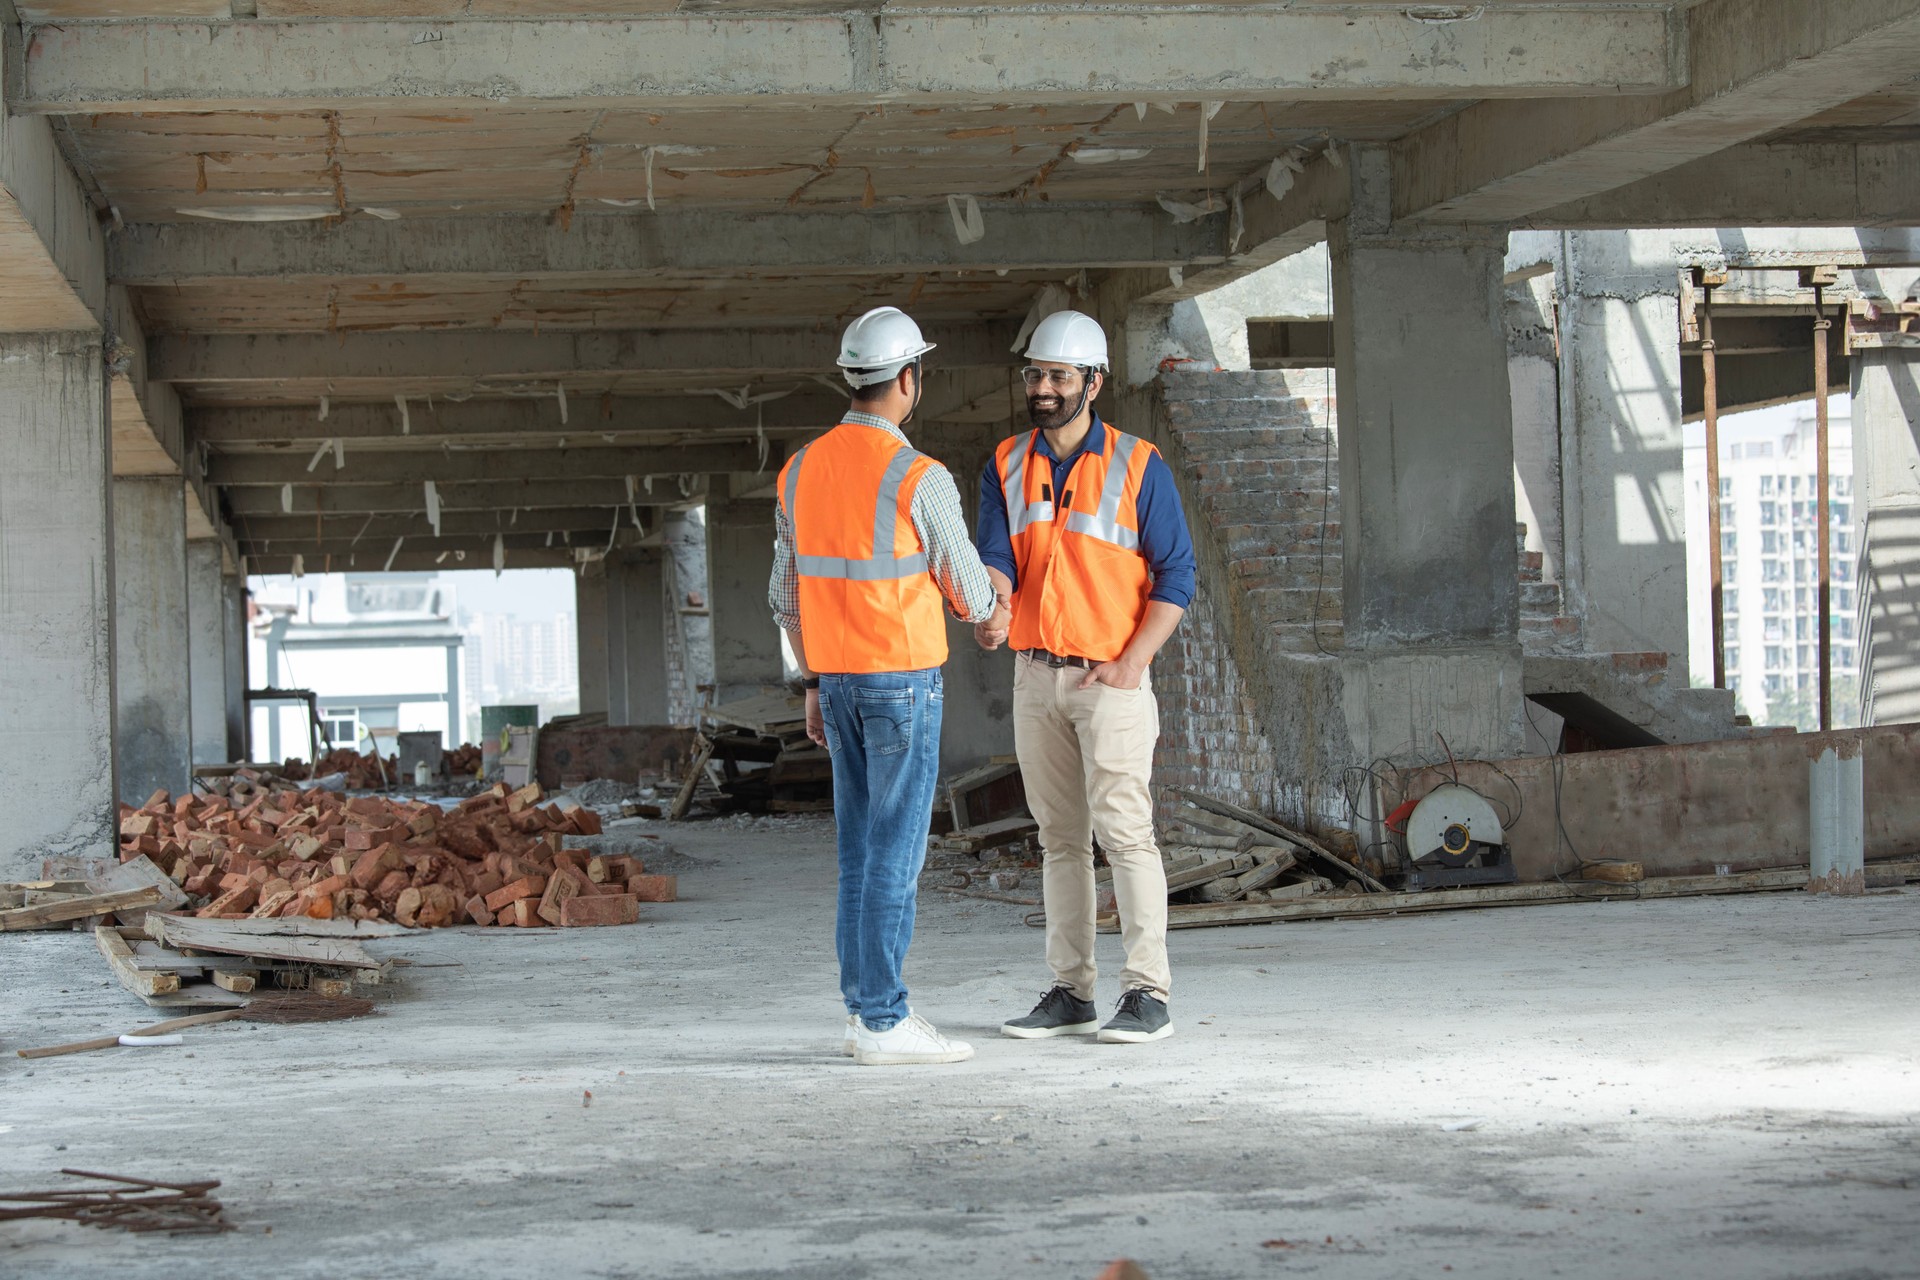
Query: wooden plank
296, 927
766, 713
1620, 872
198, 995
137, 874
94, 904
238, 980
216, 935
1248, 817
1201, 874
109, 1042
990, 835
684, 801
120, 957
1509, 895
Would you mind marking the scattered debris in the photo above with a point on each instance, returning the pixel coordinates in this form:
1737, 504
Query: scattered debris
134, 1204
755, 756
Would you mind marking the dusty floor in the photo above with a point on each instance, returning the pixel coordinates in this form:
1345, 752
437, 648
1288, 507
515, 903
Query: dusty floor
1699, 1088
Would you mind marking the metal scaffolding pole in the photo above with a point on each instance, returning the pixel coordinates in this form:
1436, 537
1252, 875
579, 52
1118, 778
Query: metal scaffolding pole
1822, 505
1715, 574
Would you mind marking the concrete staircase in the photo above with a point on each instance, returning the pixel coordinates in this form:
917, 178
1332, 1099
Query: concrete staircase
1259, 472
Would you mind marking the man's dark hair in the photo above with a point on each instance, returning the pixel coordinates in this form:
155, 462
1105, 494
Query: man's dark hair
873, 392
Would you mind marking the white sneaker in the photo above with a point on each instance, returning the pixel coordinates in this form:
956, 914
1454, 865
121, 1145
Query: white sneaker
846, 1041
910, 1041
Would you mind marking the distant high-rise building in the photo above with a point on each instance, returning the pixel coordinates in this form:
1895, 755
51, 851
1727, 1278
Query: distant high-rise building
1770, 562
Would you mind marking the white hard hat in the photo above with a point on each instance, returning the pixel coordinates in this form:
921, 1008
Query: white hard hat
1069, 337
878, 345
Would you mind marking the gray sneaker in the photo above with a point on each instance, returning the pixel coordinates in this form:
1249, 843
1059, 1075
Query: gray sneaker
1059, 1013
1142, 1016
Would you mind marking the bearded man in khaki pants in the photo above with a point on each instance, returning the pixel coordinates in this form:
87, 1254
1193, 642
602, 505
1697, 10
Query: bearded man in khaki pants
1082, 532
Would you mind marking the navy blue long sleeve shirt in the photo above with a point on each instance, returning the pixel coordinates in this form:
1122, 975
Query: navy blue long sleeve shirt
1165, 543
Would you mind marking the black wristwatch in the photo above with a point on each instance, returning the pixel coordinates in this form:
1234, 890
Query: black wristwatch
811, 682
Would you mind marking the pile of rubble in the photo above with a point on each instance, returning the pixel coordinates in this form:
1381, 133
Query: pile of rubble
461, 762
498, 858
361, 773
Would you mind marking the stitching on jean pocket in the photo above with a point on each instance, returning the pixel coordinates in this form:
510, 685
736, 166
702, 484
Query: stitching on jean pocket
886, 719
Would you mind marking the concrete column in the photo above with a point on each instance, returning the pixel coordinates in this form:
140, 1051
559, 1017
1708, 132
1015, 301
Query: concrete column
746, 644
154, 738
1431, 587
691, 663
636, 593
233, 618
1623, 480
207, 651
590, 639
56, 601
1886, 464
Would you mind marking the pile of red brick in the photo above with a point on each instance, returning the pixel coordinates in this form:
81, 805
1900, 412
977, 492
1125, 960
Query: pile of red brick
364, 772
461, 762
499, 858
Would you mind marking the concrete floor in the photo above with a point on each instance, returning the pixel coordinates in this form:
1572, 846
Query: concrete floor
1685, 1088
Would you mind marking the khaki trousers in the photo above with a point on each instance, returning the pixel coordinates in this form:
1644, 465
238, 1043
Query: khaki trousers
1085, 756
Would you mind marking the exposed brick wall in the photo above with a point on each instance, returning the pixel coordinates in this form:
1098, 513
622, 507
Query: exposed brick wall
1250, 689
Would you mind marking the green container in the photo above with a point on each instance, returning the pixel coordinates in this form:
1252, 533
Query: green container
493, 723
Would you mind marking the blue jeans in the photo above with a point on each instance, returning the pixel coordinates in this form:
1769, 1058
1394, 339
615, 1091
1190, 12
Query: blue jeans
883, 731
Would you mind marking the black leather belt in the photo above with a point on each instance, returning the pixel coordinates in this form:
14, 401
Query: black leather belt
1060, 659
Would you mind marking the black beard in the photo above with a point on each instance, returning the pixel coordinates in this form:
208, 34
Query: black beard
1052, 419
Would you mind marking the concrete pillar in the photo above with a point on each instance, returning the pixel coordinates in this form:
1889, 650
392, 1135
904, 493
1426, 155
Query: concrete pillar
590, 639
154, 737
746, 644
689, 630
1623, 482
637, 668
233, 618
1886, 463
207, 651
56, 601
1431, 586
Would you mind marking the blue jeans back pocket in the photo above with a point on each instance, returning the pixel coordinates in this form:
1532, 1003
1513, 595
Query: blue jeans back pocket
886, 719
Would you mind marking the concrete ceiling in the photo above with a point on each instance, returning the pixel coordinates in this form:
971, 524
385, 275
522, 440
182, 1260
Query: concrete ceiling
632, 206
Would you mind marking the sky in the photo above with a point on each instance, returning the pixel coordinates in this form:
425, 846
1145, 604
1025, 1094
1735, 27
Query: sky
531, 594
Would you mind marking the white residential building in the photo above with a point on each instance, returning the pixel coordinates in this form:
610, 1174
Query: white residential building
1769, 562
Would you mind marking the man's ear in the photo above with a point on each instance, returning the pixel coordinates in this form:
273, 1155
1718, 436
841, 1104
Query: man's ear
1099, 384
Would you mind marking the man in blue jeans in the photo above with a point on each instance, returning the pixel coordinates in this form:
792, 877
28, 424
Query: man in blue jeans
869, 541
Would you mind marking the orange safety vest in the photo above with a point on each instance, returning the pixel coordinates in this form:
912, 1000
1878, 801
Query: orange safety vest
1083, 584
864, 607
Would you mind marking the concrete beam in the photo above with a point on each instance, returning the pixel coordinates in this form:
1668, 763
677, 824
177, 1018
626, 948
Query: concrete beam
498, 495
1753, 67
1157, 54
364, 561
445, 466
1025, 237
1270, 230
52, 250
585, 524
497, 355
1804, 184
424, 542
520, 419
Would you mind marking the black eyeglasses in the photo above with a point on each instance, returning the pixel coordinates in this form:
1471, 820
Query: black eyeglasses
1033, 376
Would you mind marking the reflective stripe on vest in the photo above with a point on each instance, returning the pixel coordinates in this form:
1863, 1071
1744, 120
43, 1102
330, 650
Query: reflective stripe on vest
1020, 513
1103, 523
882, 566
